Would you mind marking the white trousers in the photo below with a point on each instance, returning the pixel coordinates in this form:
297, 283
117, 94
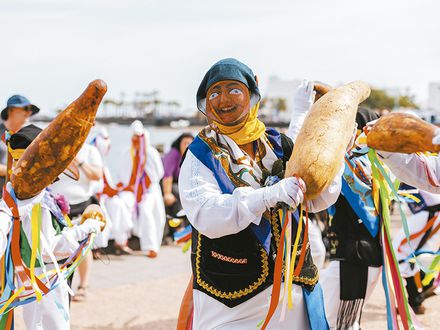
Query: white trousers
122, 223
211, 314
50, 313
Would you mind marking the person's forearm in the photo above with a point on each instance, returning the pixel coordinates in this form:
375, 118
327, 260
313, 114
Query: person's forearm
167, 185
92, 172
3, 170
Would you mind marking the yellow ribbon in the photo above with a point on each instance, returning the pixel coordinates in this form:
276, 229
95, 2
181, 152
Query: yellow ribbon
35, 222
15, 153
293, 258
251, 129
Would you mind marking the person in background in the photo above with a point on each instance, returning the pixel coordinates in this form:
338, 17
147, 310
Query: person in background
140, 178
16, 114
118, 212
58, 239
81, 194
171, 163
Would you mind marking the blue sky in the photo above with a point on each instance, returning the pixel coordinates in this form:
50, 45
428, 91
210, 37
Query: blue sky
51, 49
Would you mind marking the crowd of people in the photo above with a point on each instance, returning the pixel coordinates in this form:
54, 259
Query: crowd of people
229, 183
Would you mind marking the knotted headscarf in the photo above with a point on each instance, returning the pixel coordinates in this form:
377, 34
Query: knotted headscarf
249, 129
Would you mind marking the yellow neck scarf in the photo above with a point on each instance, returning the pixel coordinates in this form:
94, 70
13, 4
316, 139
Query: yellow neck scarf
251, 129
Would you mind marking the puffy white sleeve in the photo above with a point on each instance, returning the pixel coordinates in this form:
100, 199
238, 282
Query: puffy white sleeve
154, 165
5, 226
417, 170
329, 196
296, 122
211, 212
59, 245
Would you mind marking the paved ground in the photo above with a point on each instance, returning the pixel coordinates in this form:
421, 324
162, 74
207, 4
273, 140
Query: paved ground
134, 292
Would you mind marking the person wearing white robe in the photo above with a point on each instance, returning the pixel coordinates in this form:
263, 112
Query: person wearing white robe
330, 276
149, 214
117, 210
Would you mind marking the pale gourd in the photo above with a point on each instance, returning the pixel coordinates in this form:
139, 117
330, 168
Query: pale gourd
322, 141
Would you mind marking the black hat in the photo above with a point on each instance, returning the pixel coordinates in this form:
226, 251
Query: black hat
24, 137
18, 101
363, 116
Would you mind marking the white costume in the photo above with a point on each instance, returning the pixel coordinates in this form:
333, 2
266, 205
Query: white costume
80, 191
117, 210
417, 170
149, 214
52, 312
416, 224
214, 215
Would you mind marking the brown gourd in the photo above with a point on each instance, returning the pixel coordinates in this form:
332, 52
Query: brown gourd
57, 145
402, 132
322, 141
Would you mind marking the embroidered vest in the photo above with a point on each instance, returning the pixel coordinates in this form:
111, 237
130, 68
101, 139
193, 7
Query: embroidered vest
234, 268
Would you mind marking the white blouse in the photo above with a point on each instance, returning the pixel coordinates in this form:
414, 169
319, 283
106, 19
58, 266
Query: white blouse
417, 170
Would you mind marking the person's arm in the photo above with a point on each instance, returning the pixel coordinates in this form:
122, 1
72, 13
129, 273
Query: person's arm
329, 196
93, 172
3, 170
302, 103
215, 214
167, 189
170, 162
61, 245
417, 170
155, 165
5, 226
92, 165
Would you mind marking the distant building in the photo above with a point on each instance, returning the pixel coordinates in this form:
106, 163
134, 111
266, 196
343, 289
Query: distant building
279, 89
434, 96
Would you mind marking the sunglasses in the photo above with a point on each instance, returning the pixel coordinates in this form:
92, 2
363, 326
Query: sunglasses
27, 107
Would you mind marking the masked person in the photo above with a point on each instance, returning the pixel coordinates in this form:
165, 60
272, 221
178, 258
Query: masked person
355, 252
58, 241
108, 196
142, 190
235, 218
16, 114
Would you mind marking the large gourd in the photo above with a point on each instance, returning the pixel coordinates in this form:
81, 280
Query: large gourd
57, 145
321, 143
402, 132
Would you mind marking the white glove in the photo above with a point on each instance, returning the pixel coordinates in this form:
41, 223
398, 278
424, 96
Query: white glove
302, 103
78, 233
288, 190
353, 138
436, 138
304, 97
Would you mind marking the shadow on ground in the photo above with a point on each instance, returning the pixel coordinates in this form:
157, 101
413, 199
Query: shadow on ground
169, 324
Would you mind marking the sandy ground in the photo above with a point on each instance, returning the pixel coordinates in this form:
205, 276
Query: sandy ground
134, 292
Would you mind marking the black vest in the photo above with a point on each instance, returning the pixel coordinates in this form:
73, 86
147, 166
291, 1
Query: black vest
349, 240
235, 268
